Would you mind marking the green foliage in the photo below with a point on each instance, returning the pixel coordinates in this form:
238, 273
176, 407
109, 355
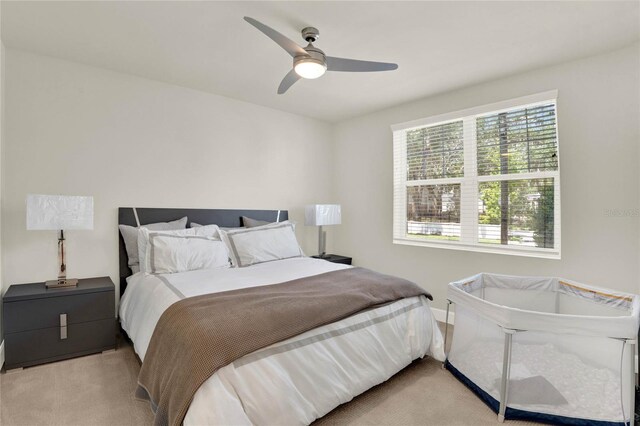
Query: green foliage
490, 197
530, 145
432, 153
520, 208
531, 141
517, 141
435, 152
543, 219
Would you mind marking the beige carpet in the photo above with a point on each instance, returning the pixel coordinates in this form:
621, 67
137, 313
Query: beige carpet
98, 390
90, 390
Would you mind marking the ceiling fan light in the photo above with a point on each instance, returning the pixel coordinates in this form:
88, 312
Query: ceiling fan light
310, 69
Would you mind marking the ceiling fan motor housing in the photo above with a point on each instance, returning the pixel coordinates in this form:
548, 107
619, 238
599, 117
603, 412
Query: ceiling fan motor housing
310, 34
313, 55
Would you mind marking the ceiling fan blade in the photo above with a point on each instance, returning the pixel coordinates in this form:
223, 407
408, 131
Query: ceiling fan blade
354, 65
288, 81
286, 43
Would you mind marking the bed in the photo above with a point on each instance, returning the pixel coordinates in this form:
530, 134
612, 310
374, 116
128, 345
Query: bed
294, 381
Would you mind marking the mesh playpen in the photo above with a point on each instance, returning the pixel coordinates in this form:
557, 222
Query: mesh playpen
546, 349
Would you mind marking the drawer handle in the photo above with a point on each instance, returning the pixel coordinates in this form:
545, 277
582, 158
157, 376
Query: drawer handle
63, 326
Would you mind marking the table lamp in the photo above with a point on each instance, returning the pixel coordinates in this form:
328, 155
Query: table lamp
57, 213
320, 215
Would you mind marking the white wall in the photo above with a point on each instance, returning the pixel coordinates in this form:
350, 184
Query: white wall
128, 141
1, 197
598, 115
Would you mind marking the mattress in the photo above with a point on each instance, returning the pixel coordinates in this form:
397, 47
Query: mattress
300, 379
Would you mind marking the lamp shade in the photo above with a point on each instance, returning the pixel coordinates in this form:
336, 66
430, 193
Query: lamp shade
322, 214
59, 212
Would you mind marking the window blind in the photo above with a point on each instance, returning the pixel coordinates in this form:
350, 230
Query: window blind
435, 152
484, 179
519, 141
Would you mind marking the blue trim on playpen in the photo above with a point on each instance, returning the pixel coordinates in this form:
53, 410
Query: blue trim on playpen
515, 414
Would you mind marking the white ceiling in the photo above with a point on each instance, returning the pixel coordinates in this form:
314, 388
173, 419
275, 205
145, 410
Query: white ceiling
439, 46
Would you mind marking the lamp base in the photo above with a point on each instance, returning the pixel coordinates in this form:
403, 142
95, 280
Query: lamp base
61, 283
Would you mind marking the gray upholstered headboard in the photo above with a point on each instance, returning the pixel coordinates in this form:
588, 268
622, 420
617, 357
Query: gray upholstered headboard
220, 217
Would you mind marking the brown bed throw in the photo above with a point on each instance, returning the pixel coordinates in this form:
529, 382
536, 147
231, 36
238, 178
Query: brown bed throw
199, 335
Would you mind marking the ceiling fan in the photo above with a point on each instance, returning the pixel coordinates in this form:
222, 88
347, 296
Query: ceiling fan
310, 62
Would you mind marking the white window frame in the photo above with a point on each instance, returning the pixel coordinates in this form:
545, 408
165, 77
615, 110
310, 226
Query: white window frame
470, 181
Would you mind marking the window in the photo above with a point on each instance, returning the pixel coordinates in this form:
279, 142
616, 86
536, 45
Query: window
484, 179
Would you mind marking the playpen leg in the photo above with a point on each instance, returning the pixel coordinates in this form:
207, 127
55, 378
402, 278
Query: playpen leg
446, 332
635, 376
632, 408
506, 368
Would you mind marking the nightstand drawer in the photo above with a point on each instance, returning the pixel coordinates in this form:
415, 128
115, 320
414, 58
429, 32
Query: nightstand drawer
44, 313
37, 346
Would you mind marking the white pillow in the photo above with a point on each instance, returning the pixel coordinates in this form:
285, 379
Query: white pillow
275, 241
171, 253
130, 237
209, 231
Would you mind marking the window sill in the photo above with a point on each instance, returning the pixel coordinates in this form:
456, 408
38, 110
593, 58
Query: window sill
457, 245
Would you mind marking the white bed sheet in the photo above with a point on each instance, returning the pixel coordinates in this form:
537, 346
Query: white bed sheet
300, 379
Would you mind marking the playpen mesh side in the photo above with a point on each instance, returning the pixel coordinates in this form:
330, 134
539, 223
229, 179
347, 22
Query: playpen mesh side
475, 342
561, 378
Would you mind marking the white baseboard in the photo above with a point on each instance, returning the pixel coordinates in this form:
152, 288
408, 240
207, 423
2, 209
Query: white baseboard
1, 354
441, 315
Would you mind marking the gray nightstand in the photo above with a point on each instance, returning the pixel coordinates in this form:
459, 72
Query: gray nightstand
43, 325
